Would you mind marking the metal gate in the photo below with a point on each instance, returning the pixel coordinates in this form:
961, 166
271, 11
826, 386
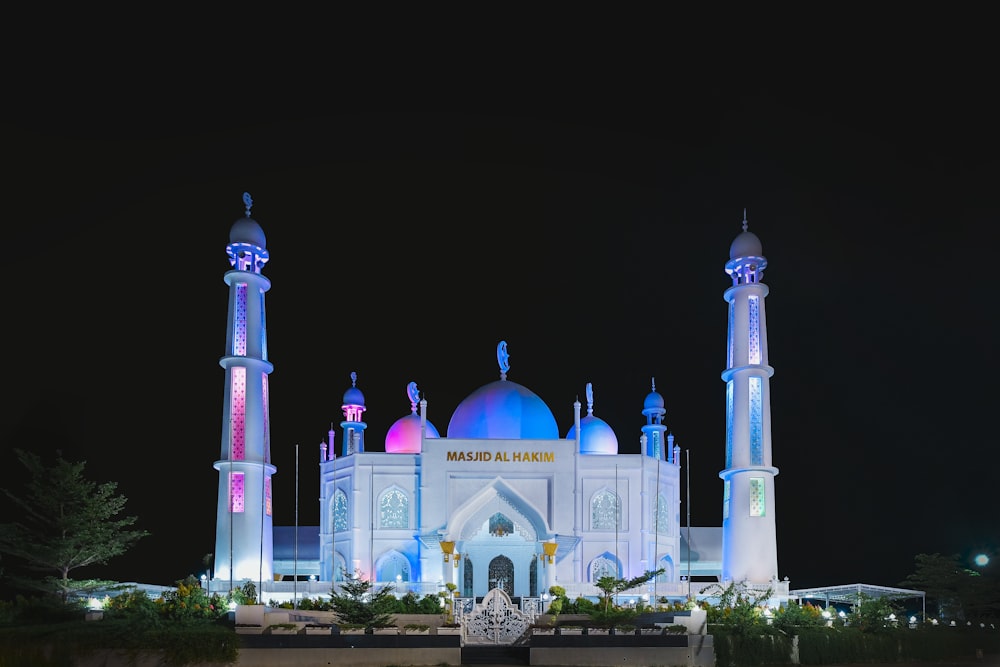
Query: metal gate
495, 620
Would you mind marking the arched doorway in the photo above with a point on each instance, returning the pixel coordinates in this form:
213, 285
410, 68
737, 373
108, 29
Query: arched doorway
501, 575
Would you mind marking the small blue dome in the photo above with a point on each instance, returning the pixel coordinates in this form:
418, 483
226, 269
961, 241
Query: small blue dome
353, 396
246, 230
404, 435
596, 437
503, 410
745, 245
654, 401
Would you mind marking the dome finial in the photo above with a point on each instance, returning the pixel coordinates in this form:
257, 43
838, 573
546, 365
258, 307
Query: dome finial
653, 382
413, 395
744, 218
503, 358
248, 202
590, 398
354, 378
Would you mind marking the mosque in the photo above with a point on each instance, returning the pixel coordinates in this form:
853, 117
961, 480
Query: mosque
500, 498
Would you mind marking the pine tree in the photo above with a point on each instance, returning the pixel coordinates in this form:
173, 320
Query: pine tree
66, 522
361, 605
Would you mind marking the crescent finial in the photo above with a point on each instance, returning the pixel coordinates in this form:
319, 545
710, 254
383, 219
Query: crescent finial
744, 218
248, 202
590, 398
413, 395
503, 358
354, 378
653, 379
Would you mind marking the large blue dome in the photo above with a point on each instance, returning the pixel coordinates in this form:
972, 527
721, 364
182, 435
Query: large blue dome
503, 410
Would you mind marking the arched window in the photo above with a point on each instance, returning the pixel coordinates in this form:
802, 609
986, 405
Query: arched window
605, 511
391, 565
666, 563
394, 509
604, 565
339, 567
339, 511
500, 525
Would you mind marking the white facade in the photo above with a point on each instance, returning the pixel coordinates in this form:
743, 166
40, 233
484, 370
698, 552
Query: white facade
501, 499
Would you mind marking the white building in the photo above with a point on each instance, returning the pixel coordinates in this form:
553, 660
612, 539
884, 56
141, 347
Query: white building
500, 498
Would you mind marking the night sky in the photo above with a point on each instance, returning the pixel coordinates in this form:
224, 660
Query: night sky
585, 223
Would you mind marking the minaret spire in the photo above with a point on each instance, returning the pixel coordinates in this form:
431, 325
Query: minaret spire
749, 542
243, 536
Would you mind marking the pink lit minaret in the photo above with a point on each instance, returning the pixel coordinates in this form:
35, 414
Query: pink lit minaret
243, 536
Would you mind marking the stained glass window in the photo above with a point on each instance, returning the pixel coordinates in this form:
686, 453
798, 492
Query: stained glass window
603, 567
756, 425
661, 514
754, 304
757, 504
394, 509
236, 492
605, 511
339, 511
729, 424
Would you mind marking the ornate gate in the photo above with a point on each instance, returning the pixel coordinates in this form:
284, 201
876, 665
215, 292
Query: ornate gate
495, 620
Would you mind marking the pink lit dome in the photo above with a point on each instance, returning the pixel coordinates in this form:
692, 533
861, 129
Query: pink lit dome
404, 435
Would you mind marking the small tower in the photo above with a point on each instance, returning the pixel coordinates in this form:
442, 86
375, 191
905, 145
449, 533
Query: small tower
749, 541
352, 426
654, 430
243, 536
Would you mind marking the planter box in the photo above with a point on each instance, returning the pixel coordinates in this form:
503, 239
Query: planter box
319, 629
449, 631
385, 631
250, 614
249, 629
415, 631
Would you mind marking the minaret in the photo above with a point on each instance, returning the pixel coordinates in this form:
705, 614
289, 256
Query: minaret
352, 426
654, 430
243, 537
749, 542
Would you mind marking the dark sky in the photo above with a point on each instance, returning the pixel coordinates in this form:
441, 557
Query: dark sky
584, 221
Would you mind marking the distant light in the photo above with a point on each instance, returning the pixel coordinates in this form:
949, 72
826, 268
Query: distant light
982, 560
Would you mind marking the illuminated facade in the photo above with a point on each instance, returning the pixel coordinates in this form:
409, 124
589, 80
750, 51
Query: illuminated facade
501, 498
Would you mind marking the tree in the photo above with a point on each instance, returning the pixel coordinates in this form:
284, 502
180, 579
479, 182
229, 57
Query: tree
958, 592
360, 604
739, 606
66, 522
943, 580
612, 586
